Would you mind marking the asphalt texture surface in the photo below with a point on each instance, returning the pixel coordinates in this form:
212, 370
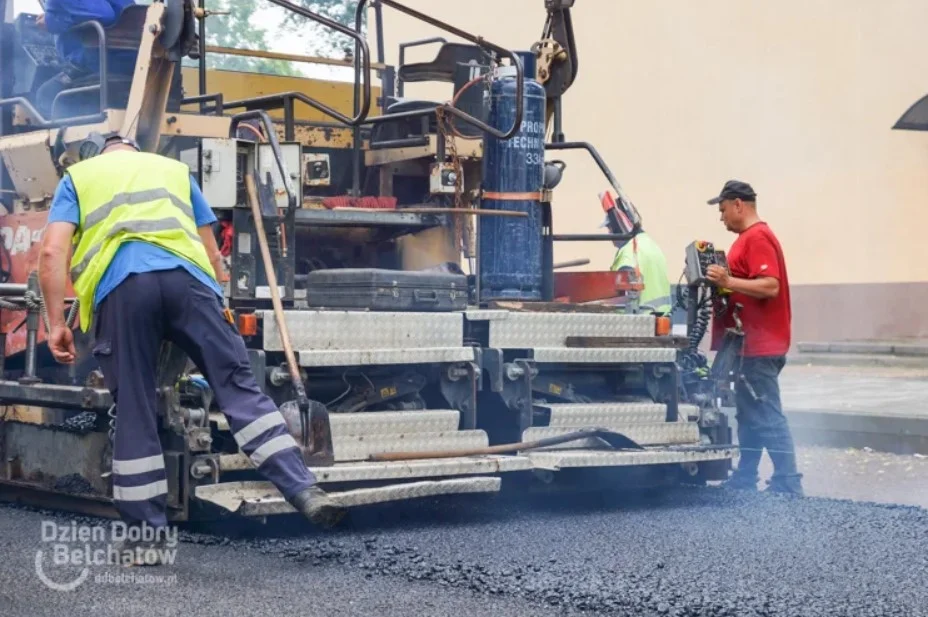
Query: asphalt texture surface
686, 552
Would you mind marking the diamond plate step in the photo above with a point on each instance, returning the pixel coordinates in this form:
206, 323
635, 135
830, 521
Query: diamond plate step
379, 422
394, 422
360, 447
607, 355
659, 433
609, 415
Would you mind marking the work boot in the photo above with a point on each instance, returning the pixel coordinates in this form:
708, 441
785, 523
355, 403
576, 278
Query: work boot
741, 482
131, 553
315, 504
788, 485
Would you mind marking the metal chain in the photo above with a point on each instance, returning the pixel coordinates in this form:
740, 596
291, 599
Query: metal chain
111, 412
447, 131
34, 301
444, 125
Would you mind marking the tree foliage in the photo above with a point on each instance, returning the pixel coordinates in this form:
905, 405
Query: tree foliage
262, 25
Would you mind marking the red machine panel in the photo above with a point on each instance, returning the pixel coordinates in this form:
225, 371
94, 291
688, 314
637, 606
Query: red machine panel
21, 235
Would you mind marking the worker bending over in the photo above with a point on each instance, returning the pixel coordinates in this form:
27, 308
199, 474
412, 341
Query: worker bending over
144, 269
758, 281
642, 256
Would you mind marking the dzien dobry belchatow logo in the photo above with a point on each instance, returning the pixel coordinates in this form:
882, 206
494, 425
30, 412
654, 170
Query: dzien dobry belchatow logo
70, 551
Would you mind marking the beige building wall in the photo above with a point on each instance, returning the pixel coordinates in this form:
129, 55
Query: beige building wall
796, 98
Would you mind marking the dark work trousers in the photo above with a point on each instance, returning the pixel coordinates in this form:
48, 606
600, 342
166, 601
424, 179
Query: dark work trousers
130, 325
762, 424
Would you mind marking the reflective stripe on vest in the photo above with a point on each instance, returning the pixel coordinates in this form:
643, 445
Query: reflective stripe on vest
139, 197
133, 227
127, 196
653, 272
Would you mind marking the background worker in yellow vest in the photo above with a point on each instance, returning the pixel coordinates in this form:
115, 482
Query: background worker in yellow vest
144, 269
643, 253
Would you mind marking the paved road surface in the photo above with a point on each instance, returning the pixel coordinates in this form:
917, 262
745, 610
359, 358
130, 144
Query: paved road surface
690, 552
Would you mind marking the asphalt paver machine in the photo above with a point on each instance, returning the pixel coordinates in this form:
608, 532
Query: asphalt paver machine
391, 271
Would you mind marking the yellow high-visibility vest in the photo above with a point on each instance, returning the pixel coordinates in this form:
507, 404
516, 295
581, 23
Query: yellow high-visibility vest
643, 253
123, 196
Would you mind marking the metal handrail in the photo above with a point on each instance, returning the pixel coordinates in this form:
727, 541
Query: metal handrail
362, 58
601, 163
283, 97
450, 109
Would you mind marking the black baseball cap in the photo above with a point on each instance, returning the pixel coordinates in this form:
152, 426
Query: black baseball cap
734, 189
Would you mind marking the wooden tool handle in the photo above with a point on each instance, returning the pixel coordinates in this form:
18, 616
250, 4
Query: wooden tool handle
272, 282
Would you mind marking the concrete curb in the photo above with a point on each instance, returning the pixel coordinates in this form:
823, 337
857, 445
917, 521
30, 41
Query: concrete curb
851, 359
898, 433
866, 348
905, 434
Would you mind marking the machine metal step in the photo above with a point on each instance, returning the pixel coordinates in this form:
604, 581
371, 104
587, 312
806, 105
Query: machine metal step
640, 420
657, 433
360, 447
263, 499
608, 415
356, 436
380, 422
394, 422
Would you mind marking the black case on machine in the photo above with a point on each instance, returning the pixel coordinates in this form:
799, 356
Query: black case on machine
386, 290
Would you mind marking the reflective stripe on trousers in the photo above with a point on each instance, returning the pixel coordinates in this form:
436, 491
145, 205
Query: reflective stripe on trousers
260, 450
139, 479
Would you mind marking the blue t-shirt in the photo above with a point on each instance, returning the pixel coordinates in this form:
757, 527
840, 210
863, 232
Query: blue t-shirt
136, 256
61, 15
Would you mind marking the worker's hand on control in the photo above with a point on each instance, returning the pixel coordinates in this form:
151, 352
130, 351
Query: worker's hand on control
40, 21
61, 344
718, 275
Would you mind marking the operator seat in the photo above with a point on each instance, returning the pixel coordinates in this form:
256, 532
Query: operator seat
457, 63
126, 34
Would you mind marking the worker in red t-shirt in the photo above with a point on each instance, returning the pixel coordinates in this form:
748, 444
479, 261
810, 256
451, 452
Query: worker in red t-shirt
757, 280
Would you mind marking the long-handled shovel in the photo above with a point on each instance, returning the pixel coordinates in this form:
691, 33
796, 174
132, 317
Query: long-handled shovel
316, 432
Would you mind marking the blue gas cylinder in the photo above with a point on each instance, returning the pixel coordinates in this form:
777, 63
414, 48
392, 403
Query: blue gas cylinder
513, 173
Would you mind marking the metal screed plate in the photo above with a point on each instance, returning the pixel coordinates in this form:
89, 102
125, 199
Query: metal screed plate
555, 460
263, 499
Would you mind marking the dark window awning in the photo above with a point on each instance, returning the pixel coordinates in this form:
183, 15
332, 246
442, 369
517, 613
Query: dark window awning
915, 118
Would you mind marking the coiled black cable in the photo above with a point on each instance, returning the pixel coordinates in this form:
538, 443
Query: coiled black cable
703, 316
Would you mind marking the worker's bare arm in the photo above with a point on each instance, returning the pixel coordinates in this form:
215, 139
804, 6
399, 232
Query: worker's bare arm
53, 280
762, 287
53, 268
212, 251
